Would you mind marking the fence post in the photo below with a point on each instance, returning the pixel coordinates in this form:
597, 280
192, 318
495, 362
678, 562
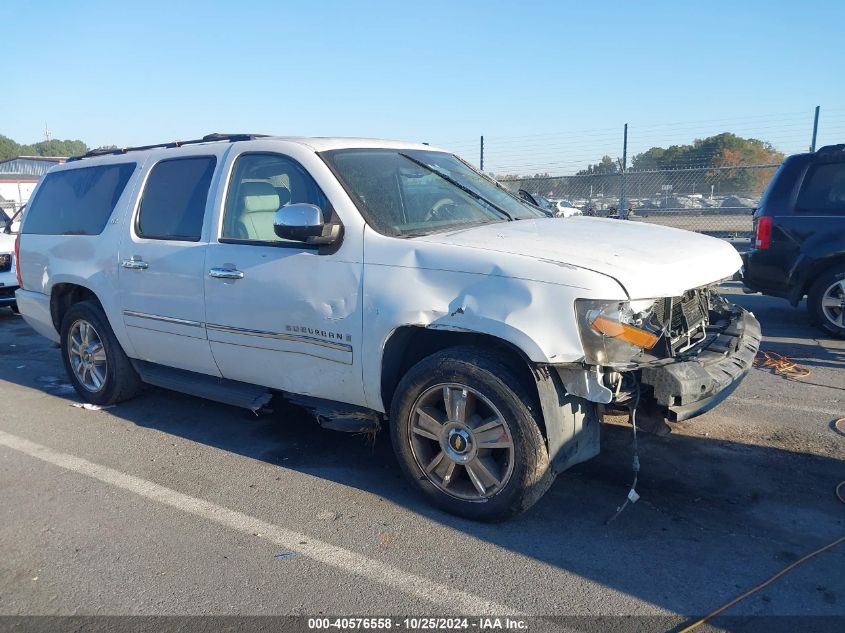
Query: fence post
815, 129
481, 163
622, 172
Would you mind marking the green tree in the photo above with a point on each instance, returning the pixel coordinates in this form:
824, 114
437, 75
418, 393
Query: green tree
54, 147
604, 167
8, 148
716, 153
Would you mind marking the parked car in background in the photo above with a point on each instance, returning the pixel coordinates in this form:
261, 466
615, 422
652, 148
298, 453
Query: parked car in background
799, 237
373, 280
565, 209
8, 275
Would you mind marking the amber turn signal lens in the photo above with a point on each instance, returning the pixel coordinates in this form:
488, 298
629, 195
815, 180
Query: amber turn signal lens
629, 333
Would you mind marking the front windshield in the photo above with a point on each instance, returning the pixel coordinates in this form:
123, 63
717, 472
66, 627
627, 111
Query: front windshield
416, 192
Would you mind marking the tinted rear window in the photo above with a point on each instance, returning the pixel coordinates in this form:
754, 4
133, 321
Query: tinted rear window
823, 189
173, 204
77, 201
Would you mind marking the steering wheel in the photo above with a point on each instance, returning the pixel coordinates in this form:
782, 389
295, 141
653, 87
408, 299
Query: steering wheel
437, 207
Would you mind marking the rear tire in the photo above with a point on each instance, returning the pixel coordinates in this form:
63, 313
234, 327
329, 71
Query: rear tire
95, 362
826, 301
486, 458
14, 308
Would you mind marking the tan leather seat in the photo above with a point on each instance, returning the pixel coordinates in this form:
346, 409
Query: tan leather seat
256, 211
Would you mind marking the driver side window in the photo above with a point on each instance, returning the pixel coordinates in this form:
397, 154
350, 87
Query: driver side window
262, 184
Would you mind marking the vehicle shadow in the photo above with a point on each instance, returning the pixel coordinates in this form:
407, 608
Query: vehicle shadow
781, 319
710, 509
701, 499
787, 331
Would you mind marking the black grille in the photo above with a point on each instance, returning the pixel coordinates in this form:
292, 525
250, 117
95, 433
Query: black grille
691, 312
5, 262
687, 312
660, 311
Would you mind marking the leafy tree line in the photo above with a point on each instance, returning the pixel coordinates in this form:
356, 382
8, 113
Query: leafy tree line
54, 147
722, 150
716, 155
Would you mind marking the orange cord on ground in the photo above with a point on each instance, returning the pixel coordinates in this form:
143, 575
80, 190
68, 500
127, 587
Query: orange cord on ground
839, 425
781, 365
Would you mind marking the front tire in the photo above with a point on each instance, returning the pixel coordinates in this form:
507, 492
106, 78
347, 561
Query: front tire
826, 301
95, 362
465, 433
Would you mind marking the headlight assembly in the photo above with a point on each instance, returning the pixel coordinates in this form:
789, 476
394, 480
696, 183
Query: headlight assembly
615, 333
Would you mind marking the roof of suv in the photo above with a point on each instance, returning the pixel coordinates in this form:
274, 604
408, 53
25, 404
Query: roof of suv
318, 144
780, 196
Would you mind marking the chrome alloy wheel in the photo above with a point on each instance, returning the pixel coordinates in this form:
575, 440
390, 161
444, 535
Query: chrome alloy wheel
833, 303
461, 442
87, 356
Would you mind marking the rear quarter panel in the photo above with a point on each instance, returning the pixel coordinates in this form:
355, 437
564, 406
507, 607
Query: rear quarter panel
90, 261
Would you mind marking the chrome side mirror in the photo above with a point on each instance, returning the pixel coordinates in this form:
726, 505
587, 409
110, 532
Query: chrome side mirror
302, 222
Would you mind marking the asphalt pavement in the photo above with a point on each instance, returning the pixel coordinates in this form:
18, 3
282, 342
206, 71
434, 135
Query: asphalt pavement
171, 505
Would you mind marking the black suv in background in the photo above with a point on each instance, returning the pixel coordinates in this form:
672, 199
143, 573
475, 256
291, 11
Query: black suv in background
799, 237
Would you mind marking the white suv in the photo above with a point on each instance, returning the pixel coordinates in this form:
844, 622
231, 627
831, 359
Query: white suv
376, 280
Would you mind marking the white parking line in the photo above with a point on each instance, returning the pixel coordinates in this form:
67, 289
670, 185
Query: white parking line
458, 602
752, 402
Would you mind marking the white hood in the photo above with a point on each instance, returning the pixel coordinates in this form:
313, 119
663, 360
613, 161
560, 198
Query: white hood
649, 261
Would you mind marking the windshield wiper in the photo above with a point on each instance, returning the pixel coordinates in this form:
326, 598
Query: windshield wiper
463, 188
494, 182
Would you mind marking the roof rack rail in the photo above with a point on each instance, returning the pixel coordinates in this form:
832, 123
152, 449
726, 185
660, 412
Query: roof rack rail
829, 149
208, 138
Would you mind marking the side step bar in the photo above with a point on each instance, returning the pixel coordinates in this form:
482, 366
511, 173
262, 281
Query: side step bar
238, 394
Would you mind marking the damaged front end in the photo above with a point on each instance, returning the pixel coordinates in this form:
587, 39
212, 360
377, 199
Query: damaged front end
670, 359
674, 358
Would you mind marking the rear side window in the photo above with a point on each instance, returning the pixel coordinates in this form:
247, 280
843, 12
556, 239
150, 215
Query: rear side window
823, 189
173, 204
77, 201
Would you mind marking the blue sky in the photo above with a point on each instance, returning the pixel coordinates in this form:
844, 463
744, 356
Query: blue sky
525, 74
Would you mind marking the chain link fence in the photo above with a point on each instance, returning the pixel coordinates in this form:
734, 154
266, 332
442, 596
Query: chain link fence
717, 201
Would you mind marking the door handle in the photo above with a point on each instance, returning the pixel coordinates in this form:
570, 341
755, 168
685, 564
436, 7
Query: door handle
134, 264
225, 273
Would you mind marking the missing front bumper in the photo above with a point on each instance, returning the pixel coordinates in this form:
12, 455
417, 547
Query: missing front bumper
689, 388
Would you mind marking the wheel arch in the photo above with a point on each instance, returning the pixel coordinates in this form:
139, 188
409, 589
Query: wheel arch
64, 295
812, 270
407, 345
815, 297
569, 424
